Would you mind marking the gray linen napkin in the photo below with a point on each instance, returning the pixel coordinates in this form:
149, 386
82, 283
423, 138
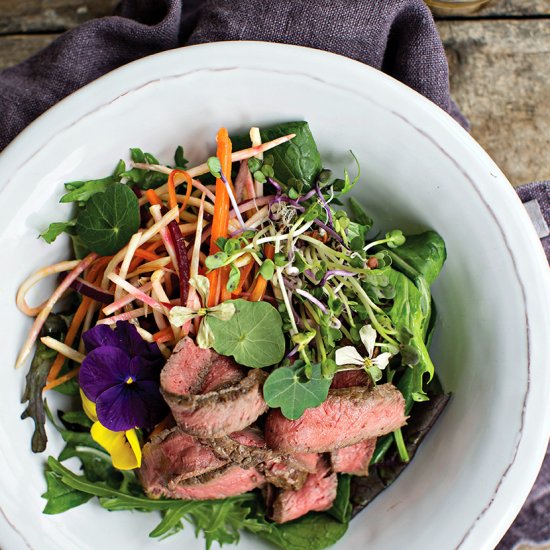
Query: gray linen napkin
396, 36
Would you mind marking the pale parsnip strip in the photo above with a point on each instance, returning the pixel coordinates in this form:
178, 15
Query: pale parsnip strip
63, 349
35, 278
137, 293
146, 235
126, 316
43, 315
131, 250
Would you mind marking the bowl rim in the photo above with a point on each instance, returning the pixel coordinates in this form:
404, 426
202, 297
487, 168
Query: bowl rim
113, 85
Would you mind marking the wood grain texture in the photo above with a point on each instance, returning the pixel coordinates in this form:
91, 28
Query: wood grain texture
20, 16
17, 47
520, 8
500, 78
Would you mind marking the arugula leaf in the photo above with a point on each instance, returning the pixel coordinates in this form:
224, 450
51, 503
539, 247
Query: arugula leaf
81, 191
179, 158
41, 363
253, 335
109, 219
60, 497
55, 229
296, 163
289, 389
144, 179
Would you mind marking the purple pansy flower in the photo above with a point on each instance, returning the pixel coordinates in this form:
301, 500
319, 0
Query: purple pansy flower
120, 374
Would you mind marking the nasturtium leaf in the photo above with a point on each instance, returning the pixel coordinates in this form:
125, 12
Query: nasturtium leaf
109, 219
289, 389
81, 191
253, 335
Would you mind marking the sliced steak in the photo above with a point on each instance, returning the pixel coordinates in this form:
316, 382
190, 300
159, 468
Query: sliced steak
172, 457
348, 416
210, 395
316, 495
226, 482
349, 378
354, 459
306, 461
248, 449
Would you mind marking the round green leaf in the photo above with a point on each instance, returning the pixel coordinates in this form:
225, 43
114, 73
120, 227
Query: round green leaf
109, 219
253, 335
289, 389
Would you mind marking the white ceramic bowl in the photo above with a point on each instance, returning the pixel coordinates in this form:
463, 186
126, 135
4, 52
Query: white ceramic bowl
420, 170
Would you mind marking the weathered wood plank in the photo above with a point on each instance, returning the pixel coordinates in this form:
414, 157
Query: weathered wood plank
499, 77
16, 48
516, 8
18, 16
503, 8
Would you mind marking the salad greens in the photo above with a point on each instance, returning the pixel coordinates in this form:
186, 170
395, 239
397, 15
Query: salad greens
252, 335
341, 299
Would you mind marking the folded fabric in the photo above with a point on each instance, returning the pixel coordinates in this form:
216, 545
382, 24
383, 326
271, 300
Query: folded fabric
396, 36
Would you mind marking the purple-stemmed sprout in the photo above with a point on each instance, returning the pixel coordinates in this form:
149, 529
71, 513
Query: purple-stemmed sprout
312, 299
334, 272
331, 232
324, 204
293, 351
307, 196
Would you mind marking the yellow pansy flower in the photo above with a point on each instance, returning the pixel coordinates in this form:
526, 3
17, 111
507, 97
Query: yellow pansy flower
123, 447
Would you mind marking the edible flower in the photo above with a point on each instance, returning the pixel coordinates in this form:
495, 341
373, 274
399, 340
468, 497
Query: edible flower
179, 315
120, 374
123, 446
348, 355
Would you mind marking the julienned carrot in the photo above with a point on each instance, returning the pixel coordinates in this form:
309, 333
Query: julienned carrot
245, 272
261, 284
146, 255
224, 293
152, 197
220, 219
172, 198
161, 334
62, 379
70, 337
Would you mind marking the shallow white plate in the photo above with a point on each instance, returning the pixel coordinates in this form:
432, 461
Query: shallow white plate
420, 170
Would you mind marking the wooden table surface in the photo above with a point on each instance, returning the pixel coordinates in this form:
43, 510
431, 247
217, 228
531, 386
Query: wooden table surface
499, 63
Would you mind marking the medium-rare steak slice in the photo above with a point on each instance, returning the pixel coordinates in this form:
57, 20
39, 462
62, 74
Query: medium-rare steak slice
226, 482
354, 459
210, 395
348, 415
172, 457
349, 378
247, 448
316, 495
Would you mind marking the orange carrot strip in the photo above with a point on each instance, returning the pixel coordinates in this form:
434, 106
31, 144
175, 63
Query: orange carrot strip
62, 379
172, 199
70, 336
162, 333
261, 284
224, 277
146, 255
220, 219
213, 278
245, 271
152, 197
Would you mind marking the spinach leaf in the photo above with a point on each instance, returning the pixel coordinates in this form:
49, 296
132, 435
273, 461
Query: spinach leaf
359, 215
55, 229
408, 317
341, 508
109, 219
422, 254
42, 361
296, 163
314, 531
179, 158
289, 389
253, 336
